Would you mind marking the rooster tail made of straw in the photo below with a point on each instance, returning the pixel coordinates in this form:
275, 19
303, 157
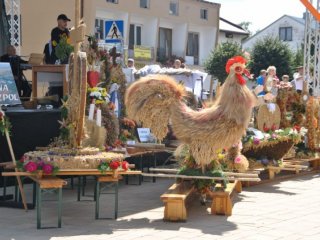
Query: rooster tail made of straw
151, 101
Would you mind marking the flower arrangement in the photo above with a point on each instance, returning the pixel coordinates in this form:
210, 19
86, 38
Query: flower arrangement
63, 49
4, 123
273, 145
99, 95
113, 165
95, 55
127, 130
33, 167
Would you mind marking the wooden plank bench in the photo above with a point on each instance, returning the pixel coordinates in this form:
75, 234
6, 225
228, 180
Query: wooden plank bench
222, 200
48, 182
176, 200
313, 162
288, 165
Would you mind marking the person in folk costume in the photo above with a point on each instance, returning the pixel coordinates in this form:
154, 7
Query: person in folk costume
271, 81
114, 98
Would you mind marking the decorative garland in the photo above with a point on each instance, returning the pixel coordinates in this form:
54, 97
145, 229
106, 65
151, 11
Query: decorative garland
113, 165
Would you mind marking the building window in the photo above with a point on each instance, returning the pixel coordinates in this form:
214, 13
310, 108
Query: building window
164, 44
134, 35
144, 3
174, 8
229, 35
112, 1
99, 29
204, 14
193, 47
285, 33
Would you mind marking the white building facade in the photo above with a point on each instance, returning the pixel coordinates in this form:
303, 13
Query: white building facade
287, 28
231, 32
184, 28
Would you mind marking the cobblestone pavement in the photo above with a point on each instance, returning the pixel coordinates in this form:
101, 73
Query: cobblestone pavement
279, 210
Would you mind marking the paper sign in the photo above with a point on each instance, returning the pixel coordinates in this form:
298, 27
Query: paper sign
141, 52
8, 89
144, 134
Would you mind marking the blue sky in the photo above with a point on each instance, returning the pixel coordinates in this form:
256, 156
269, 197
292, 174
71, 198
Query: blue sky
260, 12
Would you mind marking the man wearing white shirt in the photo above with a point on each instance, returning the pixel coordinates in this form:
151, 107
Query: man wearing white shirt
298, 79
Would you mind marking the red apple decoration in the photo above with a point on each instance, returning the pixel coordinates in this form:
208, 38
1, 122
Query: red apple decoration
125, 165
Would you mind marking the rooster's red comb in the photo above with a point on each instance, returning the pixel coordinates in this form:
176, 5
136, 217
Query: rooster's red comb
233, 60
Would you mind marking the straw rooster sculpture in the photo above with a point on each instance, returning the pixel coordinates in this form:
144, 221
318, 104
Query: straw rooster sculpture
157, 99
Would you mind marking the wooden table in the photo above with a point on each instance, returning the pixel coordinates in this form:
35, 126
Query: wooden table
49, 68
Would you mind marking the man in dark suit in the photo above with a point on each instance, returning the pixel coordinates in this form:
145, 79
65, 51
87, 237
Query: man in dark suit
11, 57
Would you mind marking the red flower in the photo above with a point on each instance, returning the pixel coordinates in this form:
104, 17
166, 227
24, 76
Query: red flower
273, 127
114, 164
47, 168
22, 159
125, 165
31, 167
297, 127
265, 128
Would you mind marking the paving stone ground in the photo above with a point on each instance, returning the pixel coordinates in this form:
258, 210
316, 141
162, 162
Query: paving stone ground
280, 210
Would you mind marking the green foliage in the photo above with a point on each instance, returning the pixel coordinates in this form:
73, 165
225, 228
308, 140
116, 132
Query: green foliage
103, 167
5, 124
215, 64
271, 52
201, 184
298, 58
245, 25
63, 49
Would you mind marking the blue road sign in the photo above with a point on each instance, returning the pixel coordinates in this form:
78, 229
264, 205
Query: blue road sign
114, 31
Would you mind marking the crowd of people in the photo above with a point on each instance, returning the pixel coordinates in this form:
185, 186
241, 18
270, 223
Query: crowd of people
269, 80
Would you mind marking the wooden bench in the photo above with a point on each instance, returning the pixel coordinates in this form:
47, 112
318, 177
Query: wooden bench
313, 162
288, 165
222, 200
176, 200
45, 183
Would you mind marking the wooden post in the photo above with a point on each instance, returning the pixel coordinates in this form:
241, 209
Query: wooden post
79, 81
23, 196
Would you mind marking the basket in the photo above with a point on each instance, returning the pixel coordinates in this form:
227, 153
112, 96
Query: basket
30, 104
275, 151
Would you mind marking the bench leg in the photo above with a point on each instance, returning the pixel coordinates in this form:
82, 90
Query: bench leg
175, 211
59, 206
154, 165
97, 199
116, 200
221, 206
39, 201
238, 187
271, 174
315, 164
38, 206
99, 192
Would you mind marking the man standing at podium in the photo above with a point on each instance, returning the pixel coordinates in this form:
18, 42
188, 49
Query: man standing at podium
59, 31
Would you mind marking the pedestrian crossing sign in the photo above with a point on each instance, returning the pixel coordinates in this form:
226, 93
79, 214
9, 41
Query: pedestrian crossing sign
113, 31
